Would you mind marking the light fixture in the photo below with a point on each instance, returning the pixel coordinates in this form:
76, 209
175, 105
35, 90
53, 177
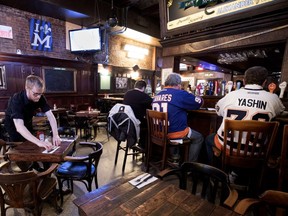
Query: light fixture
135, 68
112, 18
135, 51
103, 70
135, 74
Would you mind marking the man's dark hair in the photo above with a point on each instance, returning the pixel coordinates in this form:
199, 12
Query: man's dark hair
140, 84
255, 75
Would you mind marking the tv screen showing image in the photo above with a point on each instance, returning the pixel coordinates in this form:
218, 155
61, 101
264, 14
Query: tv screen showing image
85, 40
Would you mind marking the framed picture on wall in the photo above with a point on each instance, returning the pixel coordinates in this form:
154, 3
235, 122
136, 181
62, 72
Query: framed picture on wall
59, 79
2, 77
121, 82
105, 82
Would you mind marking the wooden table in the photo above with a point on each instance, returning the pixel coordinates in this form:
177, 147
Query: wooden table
57, 112
86, 113
30, 152
158, 198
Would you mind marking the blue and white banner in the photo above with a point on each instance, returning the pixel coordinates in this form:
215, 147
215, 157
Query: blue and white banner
40, 35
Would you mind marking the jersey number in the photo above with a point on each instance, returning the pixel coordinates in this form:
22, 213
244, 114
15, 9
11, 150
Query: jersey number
241, 114
163, 107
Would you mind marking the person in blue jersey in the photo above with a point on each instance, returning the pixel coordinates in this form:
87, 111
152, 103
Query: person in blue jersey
176, 102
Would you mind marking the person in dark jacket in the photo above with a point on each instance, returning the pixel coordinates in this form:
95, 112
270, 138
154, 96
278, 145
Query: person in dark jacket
139, 102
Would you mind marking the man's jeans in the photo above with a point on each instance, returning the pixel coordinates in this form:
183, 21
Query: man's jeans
209, 143
196, 144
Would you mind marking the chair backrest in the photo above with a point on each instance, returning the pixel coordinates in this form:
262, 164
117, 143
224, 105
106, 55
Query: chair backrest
81, 121
271, 202
16, 187
247, 144
157, 127
283, 169
215, 184
157, 133
91, 149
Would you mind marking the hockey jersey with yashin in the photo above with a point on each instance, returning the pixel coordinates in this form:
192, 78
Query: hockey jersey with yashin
249, 103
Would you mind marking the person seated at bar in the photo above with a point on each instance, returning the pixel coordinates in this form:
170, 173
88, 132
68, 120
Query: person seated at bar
244, 104
21, 109
139, 101
176, 102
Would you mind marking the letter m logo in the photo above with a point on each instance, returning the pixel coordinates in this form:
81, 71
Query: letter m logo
40, 35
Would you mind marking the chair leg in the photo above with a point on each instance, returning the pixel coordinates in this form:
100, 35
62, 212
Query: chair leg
125, 157
60, 185
58, 209
117, 152
107, 133
96, 181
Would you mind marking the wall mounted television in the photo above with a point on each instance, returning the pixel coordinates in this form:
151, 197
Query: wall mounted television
85, 40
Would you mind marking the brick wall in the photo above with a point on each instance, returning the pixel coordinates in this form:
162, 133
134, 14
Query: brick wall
19, 21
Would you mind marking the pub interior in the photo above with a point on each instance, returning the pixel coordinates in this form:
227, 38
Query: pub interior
210, 45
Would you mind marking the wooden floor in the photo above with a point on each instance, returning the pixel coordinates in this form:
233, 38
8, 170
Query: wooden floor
107, 171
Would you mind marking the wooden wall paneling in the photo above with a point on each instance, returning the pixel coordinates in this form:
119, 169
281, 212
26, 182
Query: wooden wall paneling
284, 72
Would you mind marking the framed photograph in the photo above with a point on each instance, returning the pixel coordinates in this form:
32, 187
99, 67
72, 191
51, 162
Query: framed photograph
121, 82
2, 77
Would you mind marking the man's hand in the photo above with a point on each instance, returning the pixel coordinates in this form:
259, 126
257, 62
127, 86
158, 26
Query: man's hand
46, 144
56, 140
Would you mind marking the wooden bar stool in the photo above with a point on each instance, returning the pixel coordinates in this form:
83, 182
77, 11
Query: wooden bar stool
157, 130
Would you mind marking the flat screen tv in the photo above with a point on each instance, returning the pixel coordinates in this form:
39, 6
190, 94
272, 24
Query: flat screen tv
85, 40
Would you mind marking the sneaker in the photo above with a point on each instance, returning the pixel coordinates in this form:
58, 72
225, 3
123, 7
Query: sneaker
174, 159
138, 148
232, 177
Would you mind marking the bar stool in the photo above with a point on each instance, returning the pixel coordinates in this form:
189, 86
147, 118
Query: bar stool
183, 146
157, 130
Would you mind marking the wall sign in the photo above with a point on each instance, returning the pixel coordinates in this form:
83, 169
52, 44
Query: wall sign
40, 35
190, 11
6, 32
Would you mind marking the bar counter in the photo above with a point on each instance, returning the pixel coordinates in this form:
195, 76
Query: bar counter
205, 121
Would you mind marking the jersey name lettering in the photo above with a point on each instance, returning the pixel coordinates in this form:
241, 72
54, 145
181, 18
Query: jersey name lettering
252, 103
163, 97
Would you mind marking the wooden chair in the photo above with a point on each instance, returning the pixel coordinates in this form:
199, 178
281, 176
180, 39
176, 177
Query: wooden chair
247, 146
82, 124
26, 189
210, 182
157, 123
81, 166
283, 167
100, 122
271, 202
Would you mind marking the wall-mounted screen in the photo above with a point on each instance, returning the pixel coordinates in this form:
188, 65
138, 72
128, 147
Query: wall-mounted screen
58, 80
85, 40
